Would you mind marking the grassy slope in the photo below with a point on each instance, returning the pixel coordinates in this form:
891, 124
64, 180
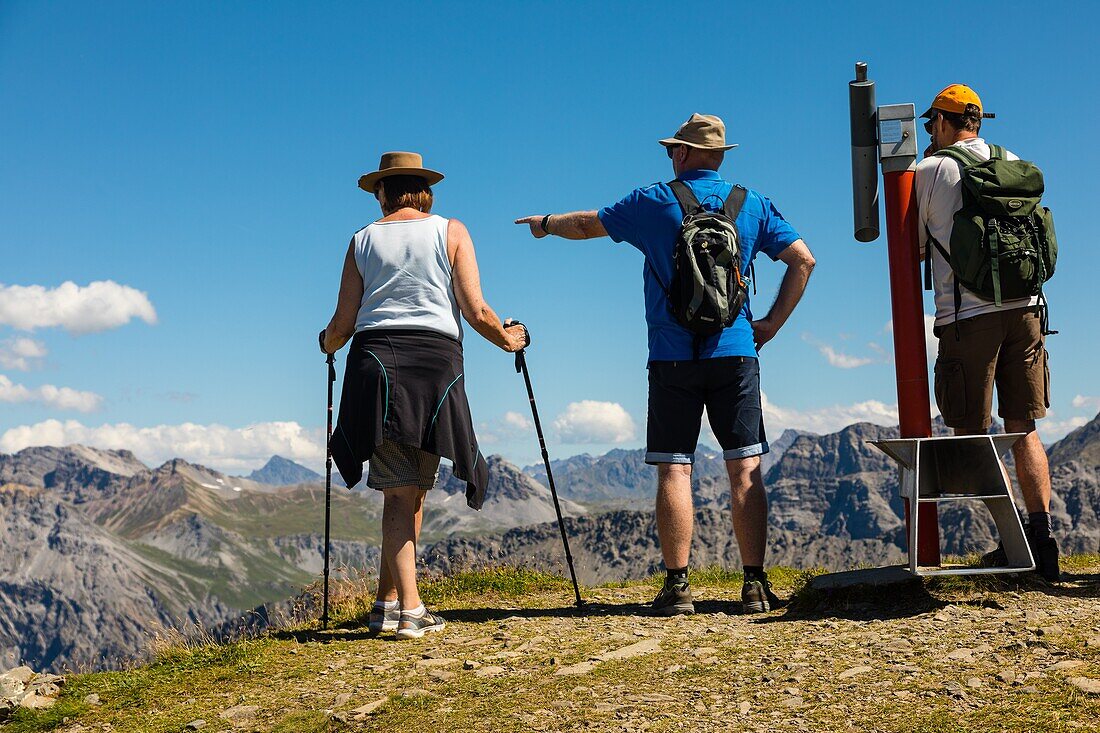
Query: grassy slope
782, 671
261, 575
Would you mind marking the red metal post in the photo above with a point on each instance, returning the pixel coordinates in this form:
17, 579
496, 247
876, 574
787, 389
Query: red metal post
910, 354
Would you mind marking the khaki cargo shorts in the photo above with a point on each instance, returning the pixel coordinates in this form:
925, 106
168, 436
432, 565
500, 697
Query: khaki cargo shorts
1006, 349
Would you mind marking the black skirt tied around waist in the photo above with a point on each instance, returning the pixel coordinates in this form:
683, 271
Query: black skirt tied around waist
408, 387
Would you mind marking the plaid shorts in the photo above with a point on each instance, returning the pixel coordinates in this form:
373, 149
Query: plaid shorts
397, 464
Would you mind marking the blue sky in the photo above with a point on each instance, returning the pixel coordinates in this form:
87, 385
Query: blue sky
206, 155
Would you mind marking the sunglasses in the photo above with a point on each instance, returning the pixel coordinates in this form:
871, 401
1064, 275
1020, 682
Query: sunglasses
931, 123
669, 149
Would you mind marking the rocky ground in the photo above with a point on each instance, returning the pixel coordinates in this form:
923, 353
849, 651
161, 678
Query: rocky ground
952, 654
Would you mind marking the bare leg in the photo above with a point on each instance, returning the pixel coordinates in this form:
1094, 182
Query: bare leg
1004, 471
387, 589
1032, 468
675, 513
749, 507
399, 526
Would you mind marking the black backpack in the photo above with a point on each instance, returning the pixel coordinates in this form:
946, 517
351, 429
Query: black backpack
707, 290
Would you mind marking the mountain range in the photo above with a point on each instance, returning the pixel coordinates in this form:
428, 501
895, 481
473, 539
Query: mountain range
833, 503
97, 550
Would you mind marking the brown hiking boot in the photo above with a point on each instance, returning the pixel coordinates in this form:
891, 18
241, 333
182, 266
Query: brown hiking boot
757, 597
673, 600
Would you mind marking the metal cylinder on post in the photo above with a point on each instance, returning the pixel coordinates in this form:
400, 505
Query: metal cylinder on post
898, 151
864, 121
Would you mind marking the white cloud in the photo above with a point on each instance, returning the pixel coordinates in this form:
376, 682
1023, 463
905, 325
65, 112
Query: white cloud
826, 419
518, 422
1057, 429
1081, 402
504, 430
61, 398
22, 354
98, 306
838, 359
841, 360
232, 450
589, 421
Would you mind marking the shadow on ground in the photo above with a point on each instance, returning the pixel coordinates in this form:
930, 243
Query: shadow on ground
858, 603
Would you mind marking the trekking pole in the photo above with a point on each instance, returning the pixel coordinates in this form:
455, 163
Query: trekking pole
330, 361
521, 368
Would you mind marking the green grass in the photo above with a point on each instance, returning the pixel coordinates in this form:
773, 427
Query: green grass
179, 669
306, 721
498, 582
1079, 563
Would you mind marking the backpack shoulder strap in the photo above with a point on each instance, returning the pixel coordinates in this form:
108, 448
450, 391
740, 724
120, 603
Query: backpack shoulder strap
732, 207
685, 197
996, 152
963, 156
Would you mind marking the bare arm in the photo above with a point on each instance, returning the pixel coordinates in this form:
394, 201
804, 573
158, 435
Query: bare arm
800, 263
466, 281
574, 225
342, 325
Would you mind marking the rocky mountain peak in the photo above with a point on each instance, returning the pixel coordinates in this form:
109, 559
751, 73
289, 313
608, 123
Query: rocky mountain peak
509, 482
77, 472
279, 471
1081, 445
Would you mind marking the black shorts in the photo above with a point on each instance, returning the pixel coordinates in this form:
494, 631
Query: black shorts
729, 388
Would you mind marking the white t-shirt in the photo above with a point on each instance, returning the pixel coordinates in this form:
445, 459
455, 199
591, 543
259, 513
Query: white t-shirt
939, 196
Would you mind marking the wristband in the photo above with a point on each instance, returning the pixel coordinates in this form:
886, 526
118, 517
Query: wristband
545, 223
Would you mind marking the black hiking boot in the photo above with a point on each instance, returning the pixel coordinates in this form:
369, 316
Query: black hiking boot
995, 558
673, 600
1044, 550
757, 597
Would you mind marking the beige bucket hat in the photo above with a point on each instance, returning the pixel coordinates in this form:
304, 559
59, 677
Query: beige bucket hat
700, 131
398, 163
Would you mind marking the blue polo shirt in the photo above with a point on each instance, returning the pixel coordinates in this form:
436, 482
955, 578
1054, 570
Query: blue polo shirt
649, 218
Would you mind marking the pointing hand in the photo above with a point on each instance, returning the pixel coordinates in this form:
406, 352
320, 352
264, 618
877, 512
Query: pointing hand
535, 222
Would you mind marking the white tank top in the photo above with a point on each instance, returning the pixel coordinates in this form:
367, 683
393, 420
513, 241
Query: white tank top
406, 277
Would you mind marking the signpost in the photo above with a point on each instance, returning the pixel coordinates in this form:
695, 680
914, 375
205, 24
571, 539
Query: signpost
888, 134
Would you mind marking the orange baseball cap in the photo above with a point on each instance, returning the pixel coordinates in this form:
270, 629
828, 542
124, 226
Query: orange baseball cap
954, 99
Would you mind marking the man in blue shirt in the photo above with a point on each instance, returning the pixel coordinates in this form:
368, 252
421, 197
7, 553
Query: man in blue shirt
725, 376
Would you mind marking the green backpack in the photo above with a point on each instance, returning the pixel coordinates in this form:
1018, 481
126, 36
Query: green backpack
1003, 244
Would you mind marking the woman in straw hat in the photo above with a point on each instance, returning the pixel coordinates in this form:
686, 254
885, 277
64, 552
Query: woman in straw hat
406, 278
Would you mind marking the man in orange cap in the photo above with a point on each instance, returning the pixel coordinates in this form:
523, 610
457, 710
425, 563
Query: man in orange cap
987, 344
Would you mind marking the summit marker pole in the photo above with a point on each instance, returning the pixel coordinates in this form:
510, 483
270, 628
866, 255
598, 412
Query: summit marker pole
888, 134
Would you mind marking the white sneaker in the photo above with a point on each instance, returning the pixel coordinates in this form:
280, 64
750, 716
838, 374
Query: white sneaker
414, 627
383, 619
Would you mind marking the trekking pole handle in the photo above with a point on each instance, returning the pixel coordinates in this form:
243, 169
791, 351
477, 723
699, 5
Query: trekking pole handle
527, 341
526, 332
